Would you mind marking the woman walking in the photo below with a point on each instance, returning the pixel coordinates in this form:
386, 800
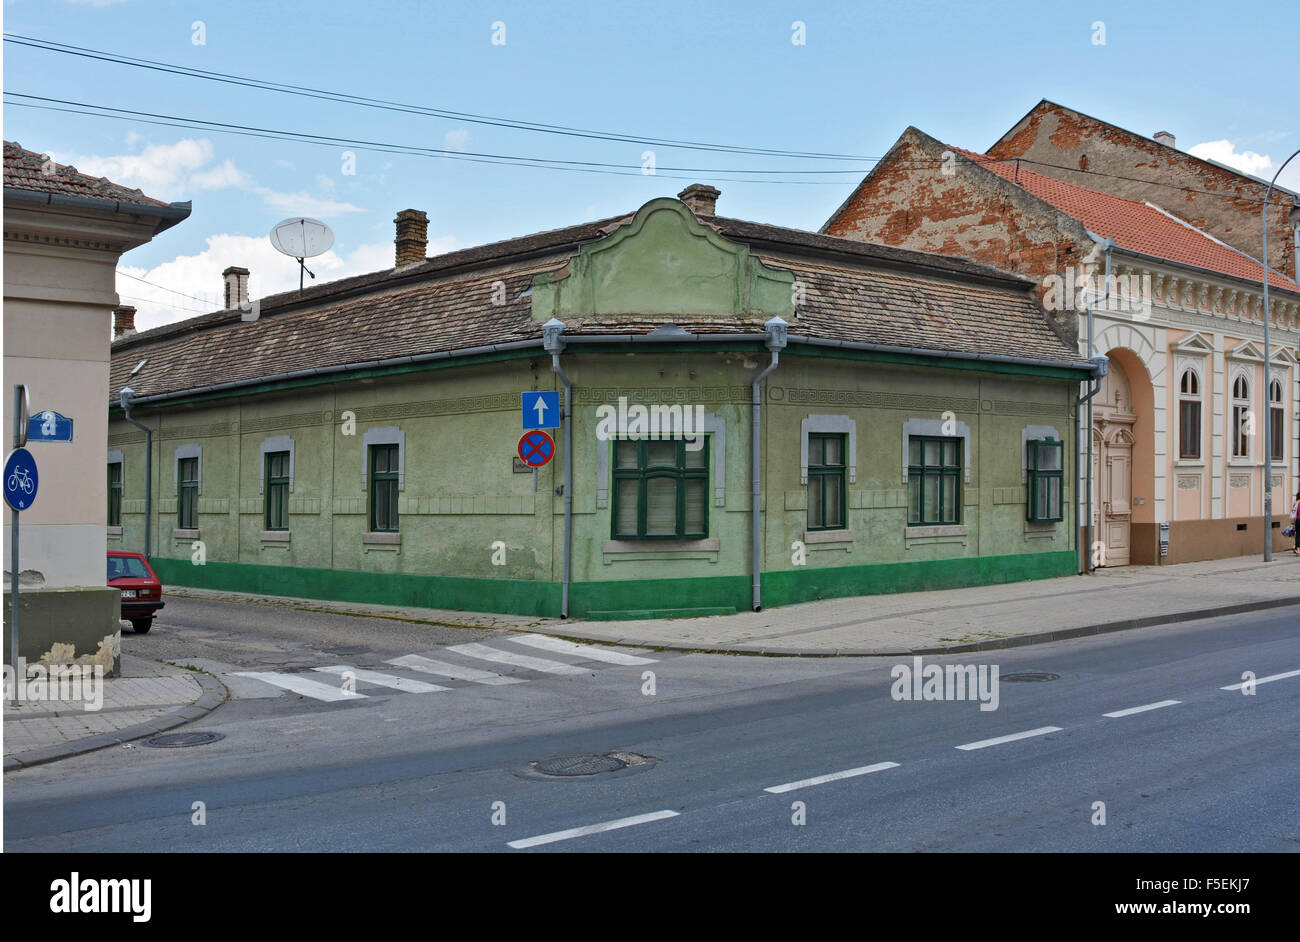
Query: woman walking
1295, 524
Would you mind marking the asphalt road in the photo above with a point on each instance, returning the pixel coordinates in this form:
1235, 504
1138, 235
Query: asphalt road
727, 742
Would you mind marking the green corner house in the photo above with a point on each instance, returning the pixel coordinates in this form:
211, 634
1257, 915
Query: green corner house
858, 419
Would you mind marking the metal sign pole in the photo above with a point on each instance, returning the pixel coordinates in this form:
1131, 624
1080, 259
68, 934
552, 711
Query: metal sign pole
20, 439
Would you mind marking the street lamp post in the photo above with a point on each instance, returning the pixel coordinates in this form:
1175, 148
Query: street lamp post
1268, 379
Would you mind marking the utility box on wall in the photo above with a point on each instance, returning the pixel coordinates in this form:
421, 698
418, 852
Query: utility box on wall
1164, 540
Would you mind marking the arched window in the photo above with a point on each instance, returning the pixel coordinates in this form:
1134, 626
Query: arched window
1277, 421
1189, 415
1243, 420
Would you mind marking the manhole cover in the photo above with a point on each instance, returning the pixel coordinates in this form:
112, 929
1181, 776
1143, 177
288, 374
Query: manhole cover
579, 765
1030, 677
177, 740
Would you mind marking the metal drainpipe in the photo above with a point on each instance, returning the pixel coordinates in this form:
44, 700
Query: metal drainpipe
776, 337
553, 342
126, 398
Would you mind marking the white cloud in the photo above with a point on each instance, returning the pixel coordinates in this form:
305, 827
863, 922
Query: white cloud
303, 204
176, 171
456, 139
199, 276
1224, 152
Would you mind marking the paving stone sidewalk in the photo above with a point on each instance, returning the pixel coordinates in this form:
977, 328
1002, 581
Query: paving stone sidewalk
148, 698
952, 620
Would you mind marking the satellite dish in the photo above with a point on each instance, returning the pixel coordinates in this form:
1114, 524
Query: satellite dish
302, 238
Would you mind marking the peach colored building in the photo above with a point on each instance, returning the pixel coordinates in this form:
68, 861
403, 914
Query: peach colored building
1178, 426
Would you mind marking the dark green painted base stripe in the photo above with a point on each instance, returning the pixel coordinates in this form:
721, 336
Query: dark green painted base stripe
643, 598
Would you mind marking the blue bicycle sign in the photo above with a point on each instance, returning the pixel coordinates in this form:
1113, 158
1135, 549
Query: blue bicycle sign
21, 479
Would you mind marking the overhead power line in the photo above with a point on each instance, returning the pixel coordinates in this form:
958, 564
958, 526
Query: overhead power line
201, 124
385, 105
164, 288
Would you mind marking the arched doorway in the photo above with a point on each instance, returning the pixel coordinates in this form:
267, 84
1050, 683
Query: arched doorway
1114, 415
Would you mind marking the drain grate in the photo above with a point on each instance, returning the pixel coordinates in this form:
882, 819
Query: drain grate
1030, 677
178, 740
579, 765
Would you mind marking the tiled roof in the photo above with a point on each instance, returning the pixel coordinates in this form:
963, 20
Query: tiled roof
26, 170
1138, 227
854, 292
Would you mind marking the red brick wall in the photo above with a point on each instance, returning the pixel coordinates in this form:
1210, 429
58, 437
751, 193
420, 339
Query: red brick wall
908, 201
1223, 203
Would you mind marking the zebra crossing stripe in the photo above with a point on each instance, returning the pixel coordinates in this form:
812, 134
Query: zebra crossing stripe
485, 653
297, 684
427, 665
382, 680
586, 651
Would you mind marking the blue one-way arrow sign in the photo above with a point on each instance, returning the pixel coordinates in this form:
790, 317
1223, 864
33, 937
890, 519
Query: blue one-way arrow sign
540, 409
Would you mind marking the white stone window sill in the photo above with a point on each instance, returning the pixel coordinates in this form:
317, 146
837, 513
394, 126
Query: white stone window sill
381, 539
659, 546
912, 533
274, 536
1189, 463
813, 537
180, 534
112, 531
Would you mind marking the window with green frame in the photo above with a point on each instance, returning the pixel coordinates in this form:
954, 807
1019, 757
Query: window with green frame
660, 491
115, 494
383, 488
934, 474
826, 481
277, 490
187, 517
1045, 472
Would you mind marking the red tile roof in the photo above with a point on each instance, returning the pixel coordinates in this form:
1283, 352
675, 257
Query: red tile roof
1138, 227
27, 170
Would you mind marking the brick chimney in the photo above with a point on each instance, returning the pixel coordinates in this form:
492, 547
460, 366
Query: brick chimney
702, 199
123, 321
412, 237
1164, 137
236, 286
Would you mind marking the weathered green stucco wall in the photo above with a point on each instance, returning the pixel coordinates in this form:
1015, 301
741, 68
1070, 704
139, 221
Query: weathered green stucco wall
460, 494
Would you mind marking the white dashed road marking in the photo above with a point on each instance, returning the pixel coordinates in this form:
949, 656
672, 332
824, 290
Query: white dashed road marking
999, 740
832, 777
591, 829
585, 651
484, 653
382, 680
1263, 680
417, 662
298, 684
1142, 709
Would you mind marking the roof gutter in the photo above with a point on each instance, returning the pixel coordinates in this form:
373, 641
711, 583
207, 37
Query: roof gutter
170, 214
656, 336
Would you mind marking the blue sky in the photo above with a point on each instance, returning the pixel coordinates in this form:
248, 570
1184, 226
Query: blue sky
719, 71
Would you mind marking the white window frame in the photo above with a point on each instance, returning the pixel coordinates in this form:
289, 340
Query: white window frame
934, 428
829, 425
1180, 396
389, 435
272, 445
186, 451
1234, 402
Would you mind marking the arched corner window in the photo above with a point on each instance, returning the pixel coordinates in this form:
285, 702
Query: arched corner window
1189, 415
1277, 421
1243, 421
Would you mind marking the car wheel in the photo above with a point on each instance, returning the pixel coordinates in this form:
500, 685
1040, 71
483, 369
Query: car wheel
141, 625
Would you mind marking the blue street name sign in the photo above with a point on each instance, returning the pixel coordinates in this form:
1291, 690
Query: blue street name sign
540, 409
49, 426
20, 479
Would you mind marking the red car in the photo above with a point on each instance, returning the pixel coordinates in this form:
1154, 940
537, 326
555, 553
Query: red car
141, 590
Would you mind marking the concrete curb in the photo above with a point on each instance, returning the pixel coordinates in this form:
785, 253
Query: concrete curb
993, 644
214, 694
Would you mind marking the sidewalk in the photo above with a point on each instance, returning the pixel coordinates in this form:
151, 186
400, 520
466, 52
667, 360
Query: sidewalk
147, 699
952, 620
